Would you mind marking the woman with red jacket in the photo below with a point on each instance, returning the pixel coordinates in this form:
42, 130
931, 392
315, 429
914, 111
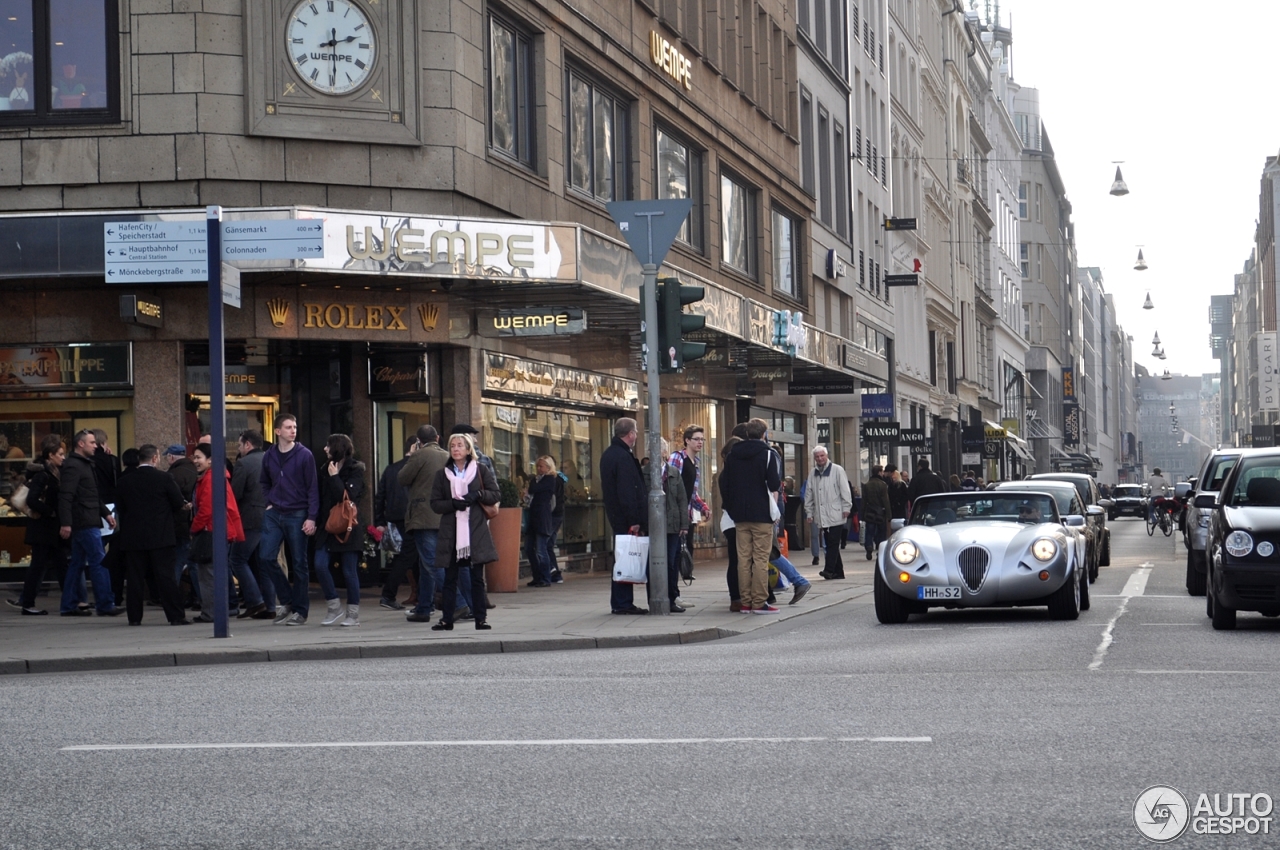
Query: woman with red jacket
202, 458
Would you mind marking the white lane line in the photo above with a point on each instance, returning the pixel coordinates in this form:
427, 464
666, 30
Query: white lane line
527, 742
1144, 596
1136, 584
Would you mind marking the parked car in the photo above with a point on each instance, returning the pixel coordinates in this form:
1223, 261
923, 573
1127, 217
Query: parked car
1128, 500
1243, 544
1195, 532
1096, 508
1069, 504
1182, 493
979, 549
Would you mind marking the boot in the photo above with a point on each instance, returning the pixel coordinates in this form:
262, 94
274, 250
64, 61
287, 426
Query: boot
334, 615
413, 589
353, 616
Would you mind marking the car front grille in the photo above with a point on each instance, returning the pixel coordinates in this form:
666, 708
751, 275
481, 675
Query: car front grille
1256, 592
973, 563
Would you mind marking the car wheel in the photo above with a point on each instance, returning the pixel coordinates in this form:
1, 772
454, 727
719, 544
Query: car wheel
1105, 560
1064, 603
1224, 618
1084, 596
1111, 517
891, 609
1195, 573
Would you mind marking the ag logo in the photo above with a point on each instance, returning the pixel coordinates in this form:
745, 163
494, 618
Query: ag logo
1161, 813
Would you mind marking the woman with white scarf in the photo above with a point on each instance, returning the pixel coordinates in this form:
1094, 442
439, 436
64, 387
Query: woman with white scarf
457, 495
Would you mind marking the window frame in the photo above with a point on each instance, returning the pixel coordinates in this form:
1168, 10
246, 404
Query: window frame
43, 114
777, 213
751, 227
691, 234
621, 109
524, 121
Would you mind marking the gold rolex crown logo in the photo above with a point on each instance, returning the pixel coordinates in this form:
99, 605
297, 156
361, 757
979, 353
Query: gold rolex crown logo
279, 311
429, 314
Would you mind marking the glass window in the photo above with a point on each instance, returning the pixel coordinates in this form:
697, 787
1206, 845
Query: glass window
785, 273
597, 141
511, 103
679, 173
737, 224
1022, 200
57, 62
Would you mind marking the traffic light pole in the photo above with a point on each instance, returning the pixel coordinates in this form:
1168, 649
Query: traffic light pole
658, 602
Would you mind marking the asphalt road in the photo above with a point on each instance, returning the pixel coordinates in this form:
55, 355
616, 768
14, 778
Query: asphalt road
983, 729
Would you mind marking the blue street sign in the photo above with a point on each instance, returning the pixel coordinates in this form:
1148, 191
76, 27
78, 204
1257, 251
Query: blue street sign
177, 251
877, 405
272, 239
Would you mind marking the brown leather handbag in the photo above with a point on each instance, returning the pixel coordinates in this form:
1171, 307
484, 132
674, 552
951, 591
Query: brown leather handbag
342, 518
490, 511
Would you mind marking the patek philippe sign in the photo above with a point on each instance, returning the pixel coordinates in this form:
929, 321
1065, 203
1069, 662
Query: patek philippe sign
879, 432
522, 377
65, 366
532, 321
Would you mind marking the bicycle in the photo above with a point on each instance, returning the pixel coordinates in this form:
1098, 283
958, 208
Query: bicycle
1161, 516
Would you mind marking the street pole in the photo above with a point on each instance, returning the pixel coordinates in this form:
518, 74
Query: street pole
217, 421
658, 602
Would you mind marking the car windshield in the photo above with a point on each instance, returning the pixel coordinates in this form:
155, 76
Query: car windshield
1128, 491
1081, 486
1062, 493
984, 506
1258, 483
1218, 469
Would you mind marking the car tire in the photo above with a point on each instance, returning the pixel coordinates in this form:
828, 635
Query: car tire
1224, 618
1084, 596
891, 609
1064, 603
1195, 573
1111, 517
1105, 559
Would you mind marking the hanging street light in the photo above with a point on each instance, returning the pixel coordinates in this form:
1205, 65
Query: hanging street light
1161, 354
1155, 340
1167, 376
1141, 265
1147, 305
1118, 188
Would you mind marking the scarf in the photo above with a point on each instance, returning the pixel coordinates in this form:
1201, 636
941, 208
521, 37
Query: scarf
459, 484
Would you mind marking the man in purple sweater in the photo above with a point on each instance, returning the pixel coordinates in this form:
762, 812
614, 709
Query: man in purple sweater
292, 495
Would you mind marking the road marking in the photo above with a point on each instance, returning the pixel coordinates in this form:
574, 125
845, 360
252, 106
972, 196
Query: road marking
1136, 584
1183, 625
527, 742
1144, 596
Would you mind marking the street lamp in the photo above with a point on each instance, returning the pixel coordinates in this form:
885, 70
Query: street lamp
1141, 265
1119, 188
1147, 305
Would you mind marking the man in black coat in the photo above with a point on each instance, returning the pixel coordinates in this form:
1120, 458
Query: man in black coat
748, 481
624, 502
184, 474
390, 505
247, 489
106, 471
80, 517
926, 483
147, 500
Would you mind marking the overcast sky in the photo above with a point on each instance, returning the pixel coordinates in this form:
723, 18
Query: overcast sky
1180, 91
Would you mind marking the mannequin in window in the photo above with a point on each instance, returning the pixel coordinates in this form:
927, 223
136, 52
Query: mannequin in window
68, 88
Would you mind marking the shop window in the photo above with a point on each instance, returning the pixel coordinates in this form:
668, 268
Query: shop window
597, 141
511, 91
59, 62
737, 225
785, 256
679, 175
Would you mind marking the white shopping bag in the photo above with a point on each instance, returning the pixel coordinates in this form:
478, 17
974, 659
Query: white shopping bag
630, 559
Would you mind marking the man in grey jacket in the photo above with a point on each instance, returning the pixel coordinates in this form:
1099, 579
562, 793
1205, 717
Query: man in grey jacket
827, 501
81, 513
421, 523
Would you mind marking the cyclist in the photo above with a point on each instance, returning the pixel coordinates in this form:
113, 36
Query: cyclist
1158, 487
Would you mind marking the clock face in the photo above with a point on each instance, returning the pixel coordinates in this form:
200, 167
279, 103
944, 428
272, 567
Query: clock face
331, 45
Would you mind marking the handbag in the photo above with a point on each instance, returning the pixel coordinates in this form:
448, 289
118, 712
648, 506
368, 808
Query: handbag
393, 540
342, 518
686, 565
775, 512
201, 550
630, 559
18, 501
490, 511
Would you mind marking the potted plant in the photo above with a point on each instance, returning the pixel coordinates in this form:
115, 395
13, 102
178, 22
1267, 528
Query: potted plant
503, 575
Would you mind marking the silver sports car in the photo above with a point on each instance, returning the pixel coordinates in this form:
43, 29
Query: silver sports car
982, 549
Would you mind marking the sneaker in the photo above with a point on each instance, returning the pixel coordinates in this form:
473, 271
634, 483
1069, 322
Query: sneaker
296, 620
283, 612
390, 604
556, 577
676, 609
353, 619
334, 615
800, 591
683, 604
13, 603
415, 617
34, 612
764, 609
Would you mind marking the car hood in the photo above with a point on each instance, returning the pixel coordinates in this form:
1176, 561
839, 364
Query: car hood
1252, 519
1000, 538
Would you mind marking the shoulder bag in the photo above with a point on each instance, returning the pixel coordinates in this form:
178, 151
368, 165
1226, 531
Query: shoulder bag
342, 518
490, 511
18, 501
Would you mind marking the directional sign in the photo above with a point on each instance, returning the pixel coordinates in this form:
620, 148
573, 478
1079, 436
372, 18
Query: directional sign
272, 239
154, 251
899, 224
902, 280
230, 285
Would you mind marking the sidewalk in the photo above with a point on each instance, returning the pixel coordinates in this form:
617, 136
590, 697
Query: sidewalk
572, 615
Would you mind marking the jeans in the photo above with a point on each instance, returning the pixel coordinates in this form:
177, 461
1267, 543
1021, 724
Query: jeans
872, 535
556, 522
86, 557
816, 541
240, 555
286, 527
424, 540
535, 550
401, 563
788, 569
350, 572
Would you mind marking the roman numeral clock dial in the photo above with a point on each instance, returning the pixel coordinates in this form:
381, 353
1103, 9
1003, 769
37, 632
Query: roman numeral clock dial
331, 45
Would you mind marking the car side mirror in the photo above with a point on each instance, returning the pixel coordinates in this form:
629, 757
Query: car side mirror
1106, 503
1095, 510
1075, 521
897, 524
1206, 500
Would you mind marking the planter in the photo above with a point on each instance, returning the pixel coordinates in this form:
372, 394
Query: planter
503, 575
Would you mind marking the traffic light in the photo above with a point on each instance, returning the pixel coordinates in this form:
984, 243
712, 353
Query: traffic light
674, 323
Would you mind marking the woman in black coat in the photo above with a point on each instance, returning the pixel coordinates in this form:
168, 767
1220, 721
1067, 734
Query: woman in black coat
457, 494
344, 474
48, 549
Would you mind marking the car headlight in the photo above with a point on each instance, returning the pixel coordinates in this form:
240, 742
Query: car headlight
1044, 549
1239, 544
904, 552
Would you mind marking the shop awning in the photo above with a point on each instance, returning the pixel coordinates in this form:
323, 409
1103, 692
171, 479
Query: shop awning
1020, 448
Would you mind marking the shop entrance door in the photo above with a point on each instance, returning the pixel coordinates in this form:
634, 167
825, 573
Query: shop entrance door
243, 413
